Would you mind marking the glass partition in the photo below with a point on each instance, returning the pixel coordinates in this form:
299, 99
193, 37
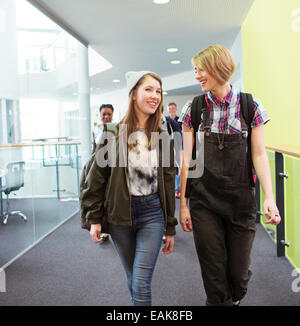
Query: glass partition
292, 209
40, 124
271, 229
45, 195
290, 192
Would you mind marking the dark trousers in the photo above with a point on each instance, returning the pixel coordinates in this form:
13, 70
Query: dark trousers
223, 245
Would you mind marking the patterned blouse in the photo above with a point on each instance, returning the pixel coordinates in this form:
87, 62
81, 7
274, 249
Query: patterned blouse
225, 113
142, 167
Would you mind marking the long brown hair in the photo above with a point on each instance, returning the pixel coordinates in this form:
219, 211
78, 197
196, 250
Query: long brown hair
154, 121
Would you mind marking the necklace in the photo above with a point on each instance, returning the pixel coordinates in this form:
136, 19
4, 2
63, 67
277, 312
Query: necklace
221, 144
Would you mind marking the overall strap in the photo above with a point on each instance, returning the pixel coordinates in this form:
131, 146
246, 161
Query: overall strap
247, 115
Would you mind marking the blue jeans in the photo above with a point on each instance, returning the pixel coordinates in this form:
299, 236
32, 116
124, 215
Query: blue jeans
138, 246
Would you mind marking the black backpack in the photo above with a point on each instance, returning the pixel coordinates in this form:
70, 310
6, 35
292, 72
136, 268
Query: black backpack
247, 109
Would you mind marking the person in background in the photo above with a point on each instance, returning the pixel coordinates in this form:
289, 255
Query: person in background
222, 207
137, 200
106, 115
172, 110
106, 112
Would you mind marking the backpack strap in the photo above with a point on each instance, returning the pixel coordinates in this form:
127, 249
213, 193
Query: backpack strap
196, 111
247, 107
197, 105
247, 112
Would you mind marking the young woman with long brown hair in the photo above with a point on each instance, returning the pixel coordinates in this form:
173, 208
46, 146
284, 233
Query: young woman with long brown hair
136, 201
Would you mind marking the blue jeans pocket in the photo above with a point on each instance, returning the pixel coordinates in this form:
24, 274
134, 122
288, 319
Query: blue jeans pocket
152, 202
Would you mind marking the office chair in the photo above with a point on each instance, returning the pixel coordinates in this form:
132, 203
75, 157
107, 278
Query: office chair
14, 180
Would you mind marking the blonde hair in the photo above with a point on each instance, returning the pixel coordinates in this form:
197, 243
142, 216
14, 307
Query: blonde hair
154, 121
218, 61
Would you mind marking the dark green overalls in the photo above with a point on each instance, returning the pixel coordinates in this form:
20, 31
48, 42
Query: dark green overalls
223, 211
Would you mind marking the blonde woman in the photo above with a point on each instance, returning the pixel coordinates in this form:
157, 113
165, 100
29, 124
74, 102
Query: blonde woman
137, 201
222, 207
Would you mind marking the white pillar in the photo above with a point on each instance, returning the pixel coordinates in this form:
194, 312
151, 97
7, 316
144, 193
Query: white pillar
84, 103
9, 80
4, 121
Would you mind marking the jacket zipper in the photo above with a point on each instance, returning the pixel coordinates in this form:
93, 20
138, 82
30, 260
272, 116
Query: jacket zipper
164, 204
164, 193
127, 182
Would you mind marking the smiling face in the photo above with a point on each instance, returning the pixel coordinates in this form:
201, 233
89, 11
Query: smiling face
147, 96
172, 109
207, 81
106, 114
214, 67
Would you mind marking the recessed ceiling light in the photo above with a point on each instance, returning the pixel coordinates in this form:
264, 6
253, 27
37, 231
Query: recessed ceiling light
161, 2
172, 50
175, 62
116, 80
165, 93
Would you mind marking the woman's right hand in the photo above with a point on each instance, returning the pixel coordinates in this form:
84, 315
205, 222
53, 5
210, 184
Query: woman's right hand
185, 219
95, 232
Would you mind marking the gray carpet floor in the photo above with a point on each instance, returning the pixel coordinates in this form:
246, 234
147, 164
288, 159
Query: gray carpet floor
68, 269
43, 214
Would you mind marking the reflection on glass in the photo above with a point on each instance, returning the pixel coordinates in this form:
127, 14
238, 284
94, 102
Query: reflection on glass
39, 124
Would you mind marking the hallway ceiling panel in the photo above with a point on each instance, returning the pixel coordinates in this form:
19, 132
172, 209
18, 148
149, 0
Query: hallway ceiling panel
135, 34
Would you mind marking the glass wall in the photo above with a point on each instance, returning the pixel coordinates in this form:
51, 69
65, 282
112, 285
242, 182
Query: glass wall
271, 229
39, 125
290, 192
292, 204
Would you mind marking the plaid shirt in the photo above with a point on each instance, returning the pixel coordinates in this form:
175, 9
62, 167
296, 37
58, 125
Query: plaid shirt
225, 113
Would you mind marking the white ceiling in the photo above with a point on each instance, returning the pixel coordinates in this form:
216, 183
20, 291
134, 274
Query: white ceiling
134, 34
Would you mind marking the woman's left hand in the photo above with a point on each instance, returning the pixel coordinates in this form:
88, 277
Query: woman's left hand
169, 244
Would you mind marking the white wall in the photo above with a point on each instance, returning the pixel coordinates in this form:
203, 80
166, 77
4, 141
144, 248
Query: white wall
236, 49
